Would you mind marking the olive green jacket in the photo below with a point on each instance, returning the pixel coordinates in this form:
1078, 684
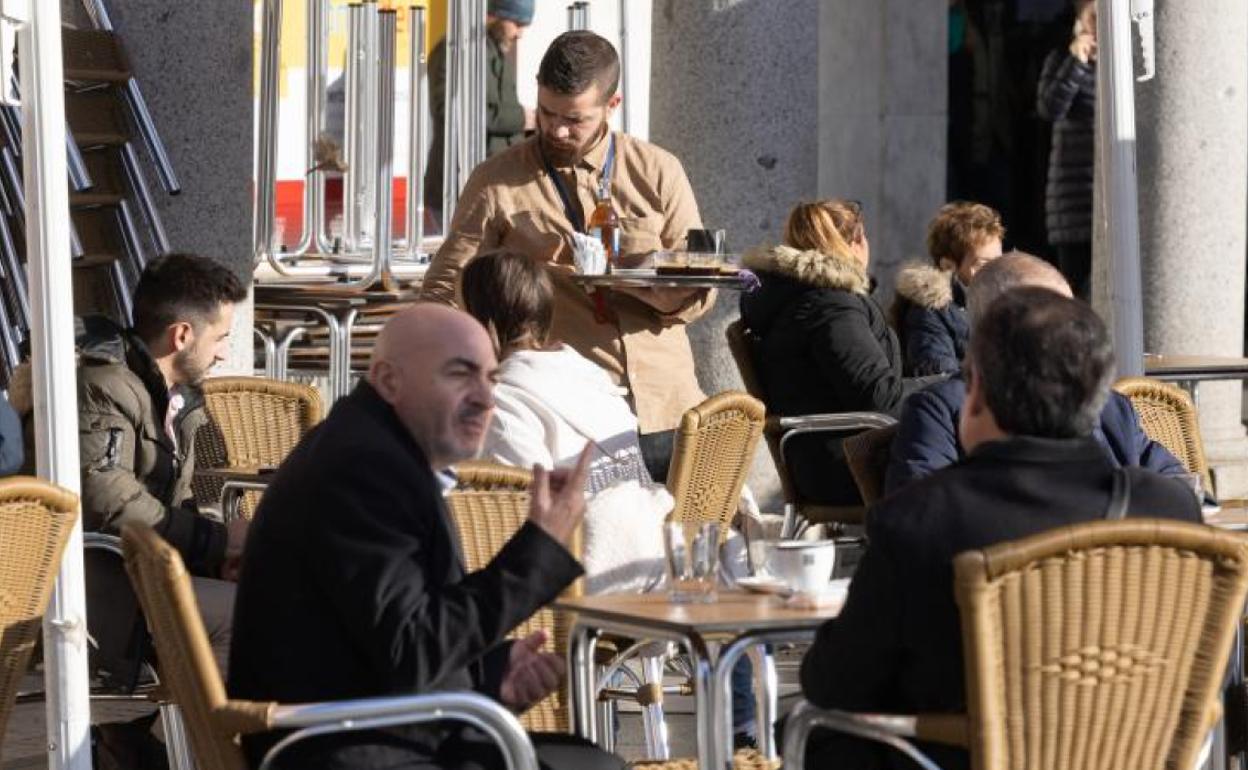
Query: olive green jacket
504, 122
131, 469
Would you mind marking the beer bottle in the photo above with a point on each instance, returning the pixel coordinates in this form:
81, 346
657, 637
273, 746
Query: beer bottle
604, 224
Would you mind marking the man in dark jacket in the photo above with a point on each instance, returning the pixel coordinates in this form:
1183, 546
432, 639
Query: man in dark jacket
139, 406
506, 118
927, 433
1039, 371
353, 584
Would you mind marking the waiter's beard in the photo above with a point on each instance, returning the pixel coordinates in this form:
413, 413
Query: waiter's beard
564, 155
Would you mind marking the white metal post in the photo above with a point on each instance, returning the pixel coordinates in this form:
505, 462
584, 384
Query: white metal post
52, 346
1115, 112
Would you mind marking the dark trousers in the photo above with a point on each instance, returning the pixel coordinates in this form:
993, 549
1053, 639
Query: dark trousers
1075, 262
656, 451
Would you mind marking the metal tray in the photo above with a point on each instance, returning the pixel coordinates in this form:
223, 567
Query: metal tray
646, 278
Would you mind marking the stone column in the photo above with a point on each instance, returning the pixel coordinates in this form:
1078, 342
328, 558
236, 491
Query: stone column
768, 104
1192, 127
194, 64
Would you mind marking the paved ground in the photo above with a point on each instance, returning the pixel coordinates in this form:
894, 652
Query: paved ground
23, 745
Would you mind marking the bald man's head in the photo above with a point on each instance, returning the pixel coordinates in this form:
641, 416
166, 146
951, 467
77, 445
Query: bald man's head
1011, 271
435, 367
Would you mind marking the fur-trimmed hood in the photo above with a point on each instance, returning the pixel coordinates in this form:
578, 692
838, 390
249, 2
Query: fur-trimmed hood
925, 285
810, 267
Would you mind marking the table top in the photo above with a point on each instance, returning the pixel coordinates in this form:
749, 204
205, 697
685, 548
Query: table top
328, 293
258, 475
734, 612
1233, 515
1177, 366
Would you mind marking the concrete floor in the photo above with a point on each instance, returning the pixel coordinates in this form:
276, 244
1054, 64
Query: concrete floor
23, 744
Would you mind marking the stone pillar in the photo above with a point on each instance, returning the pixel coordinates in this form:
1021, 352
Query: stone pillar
768, 104
194, 64
883, 116
1192, 128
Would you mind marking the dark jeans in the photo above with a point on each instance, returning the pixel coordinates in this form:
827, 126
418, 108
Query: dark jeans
1075, 261
656, 451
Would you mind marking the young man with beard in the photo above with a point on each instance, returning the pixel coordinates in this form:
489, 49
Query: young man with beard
531, 198
139, 406
506, 118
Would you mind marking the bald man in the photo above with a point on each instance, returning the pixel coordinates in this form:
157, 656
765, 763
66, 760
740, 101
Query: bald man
352, 581
927, 431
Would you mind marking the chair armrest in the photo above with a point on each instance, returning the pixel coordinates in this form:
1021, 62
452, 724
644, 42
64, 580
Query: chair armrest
797, 425
888, 729
101, 541
485, 714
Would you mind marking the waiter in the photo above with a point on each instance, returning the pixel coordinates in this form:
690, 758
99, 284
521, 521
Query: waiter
534, 196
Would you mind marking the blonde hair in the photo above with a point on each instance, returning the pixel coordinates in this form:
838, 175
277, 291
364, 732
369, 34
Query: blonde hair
827, 226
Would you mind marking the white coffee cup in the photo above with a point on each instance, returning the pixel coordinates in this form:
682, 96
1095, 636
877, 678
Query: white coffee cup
804, 565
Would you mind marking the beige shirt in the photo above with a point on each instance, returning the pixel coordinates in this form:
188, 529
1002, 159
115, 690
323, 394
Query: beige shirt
510, 202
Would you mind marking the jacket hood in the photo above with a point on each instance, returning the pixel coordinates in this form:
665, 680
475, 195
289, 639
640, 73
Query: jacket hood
810, 267
925, 285
100, 340
571, 386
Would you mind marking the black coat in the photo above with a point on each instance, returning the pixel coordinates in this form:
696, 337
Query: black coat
353, 585
824, 346
927, 436
1066, 96
930, 316
896, 647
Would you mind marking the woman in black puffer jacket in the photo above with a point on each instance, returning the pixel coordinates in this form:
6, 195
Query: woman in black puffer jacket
1067, 96
824, 344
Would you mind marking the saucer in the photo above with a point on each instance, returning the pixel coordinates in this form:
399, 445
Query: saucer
760, 584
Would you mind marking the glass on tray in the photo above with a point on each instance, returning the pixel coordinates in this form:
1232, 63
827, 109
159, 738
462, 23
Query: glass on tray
695, 263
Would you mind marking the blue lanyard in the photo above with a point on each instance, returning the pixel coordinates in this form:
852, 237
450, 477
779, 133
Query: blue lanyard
574, 214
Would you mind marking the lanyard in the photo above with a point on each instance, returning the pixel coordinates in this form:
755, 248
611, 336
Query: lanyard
574, 214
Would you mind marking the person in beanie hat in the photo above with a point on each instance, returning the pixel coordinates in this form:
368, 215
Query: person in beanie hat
506, 118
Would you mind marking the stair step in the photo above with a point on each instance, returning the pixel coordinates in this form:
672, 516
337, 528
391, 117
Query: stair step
96, 117
92, 55
98, 230
104, 166
92, 199
91, 261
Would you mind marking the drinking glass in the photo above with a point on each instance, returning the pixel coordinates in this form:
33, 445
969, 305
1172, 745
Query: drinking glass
692, 561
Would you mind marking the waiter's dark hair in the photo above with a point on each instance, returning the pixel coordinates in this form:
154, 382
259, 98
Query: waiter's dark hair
577, 60
1044, 363
513, 298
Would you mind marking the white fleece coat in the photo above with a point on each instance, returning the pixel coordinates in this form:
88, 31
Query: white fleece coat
548, 405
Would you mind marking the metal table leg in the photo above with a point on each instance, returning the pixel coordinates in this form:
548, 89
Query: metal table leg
729, 654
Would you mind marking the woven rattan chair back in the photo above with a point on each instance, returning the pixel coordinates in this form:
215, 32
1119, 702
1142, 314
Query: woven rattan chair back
35, 522
252, 422
714, 449
867, 455
489, 504
1169, 417
187, 668
1099, 646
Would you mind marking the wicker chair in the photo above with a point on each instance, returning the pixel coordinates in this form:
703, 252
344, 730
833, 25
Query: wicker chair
1169, 418
867, 455
253, 422
1100, 646
778, 430
489, 504
35, 522
214, 721
712, 455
